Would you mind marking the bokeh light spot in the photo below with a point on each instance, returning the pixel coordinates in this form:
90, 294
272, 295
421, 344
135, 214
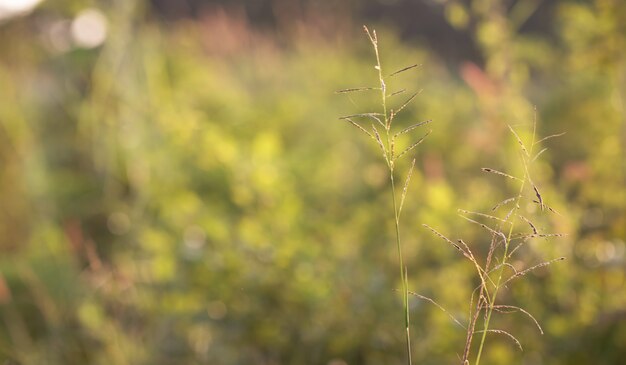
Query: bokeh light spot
89, 28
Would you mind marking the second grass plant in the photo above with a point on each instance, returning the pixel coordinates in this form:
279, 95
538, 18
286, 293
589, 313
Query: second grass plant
508, 231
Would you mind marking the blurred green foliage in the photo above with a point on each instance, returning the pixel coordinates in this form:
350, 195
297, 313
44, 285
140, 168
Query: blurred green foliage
184, 193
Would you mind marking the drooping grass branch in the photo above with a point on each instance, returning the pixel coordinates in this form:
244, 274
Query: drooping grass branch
507, 236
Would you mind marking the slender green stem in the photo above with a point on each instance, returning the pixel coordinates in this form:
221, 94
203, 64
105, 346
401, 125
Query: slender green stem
497, 287
403, 271
506, 247
390, 164
389, 159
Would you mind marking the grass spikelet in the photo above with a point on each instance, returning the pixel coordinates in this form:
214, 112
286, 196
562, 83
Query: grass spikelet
466, 251
532, 226
373, 116
380, 142
481, 215
408, 149
481, 272
492, 171
493, 231
409, 100
510, 212
406, 186
524, 272
519, 140
504, 264
548, 137
525, 239
502, 332
466, 248
411, 127
404, 69
355, 89
372, 36
359, 127
519, 245
423, 297
547, 207
539, 154
538, 196
444, 238
396, 93
504, 202
392, 115
511, 309
542, 235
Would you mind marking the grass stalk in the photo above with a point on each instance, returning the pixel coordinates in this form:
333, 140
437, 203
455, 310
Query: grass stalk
491, 303
387, 142
388, 119
494, 295
403, 270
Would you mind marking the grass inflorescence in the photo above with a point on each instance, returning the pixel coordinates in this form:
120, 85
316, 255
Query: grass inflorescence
506, 226
509, 230
381, 130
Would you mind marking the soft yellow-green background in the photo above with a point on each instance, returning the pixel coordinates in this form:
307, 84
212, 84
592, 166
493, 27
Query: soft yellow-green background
185, 193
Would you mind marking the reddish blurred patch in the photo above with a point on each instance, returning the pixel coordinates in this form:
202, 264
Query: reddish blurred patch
81, 247
577, 171
479, 81
5, 292
488, 91
433, 167
229, 30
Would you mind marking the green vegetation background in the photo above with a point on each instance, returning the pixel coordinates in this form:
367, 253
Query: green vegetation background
185, 193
